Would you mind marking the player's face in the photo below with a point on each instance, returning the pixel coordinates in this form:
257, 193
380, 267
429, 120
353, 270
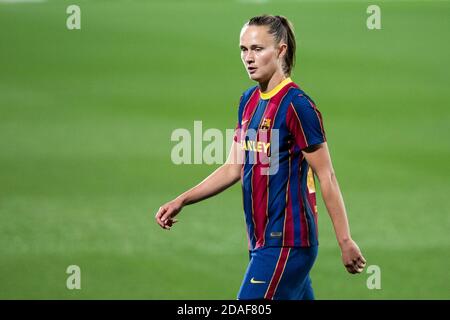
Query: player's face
259, 52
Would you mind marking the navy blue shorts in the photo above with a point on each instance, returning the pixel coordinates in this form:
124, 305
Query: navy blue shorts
279, 273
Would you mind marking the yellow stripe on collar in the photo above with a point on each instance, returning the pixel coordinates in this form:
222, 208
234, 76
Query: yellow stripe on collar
275, 90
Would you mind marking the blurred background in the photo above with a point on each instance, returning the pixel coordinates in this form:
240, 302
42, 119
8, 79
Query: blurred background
86, 118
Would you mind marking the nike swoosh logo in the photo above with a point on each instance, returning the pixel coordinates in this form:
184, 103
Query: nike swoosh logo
243, 121
252, 280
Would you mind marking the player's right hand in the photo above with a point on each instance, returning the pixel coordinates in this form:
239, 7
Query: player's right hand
165, 216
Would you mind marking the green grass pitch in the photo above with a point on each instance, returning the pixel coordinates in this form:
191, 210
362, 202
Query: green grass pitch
86, 118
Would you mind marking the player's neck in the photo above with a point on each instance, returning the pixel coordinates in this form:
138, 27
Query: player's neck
275, 80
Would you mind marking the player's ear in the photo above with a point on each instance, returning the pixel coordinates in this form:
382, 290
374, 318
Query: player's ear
282, 49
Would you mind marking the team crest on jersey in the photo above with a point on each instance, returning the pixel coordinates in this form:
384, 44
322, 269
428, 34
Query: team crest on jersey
265, 124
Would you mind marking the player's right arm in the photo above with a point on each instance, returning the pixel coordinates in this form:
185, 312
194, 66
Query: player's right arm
222, 178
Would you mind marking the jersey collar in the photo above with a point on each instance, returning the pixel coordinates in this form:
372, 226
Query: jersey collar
275, 90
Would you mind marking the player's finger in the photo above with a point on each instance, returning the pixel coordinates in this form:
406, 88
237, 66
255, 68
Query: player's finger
167, 226
353, 266
169, 223
158, 216
361, 263
358, 265
349, 267
363, 260
166, 216
358, 269
351, 270
161, 224
160, 212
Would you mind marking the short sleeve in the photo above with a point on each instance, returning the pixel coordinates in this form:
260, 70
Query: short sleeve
305, 122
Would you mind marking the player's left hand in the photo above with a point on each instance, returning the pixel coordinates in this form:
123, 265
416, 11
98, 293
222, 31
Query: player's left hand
352, 257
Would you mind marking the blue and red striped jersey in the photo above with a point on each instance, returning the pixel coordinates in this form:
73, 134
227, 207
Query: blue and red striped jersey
278, 186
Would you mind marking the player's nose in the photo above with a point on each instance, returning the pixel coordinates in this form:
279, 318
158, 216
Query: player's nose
249, 58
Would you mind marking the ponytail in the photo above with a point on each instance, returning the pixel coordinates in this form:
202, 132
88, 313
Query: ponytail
282, 30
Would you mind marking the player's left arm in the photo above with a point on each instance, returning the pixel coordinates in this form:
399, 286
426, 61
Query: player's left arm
304, 122
319, 159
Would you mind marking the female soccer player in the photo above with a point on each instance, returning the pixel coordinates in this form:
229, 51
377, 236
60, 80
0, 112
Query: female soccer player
279, 144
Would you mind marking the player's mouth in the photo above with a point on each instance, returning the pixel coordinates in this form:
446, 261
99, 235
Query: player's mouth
251, 70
